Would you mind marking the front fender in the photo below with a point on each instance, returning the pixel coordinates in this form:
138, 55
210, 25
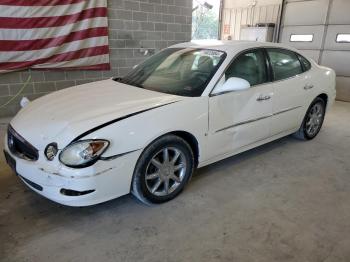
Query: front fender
138, 131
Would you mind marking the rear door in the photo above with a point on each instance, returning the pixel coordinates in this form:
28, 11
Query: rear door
291, 87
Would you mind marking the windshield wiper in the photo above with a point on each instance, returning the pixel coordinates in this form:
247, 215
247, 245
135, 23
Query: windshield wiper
121, 80
118, 79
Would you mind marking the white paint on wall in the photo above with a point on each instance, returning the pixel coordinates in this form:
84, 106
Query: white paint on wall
239, 13
248, 3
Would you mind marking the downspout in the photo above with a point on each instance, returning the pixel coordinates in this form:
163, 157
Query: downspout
221, 11
279, 23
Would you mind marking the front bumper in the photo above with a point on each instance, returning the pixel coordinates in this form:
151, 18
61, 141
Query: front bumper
104, 180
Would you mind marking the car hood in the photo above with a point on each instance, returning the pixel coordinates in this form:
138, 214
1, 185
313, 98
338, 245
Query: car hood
66, 114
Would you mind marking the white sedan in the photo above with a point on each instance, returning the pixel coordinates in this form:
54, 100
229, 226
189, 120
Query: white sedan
188, 106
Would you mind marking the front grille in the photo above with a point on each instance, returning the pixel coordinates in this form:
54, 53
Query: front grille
20, 147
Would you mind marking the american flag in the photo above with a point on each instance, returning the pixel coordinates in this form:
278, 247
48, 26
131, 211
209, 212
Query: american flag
48, 34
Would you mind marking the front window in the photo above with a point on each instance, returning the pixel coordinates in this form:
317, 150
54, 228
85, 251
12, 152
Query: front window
177, 71
250, 66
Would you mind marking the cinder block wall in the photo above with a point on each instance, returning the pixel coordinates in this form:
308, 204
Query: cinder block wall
133, 25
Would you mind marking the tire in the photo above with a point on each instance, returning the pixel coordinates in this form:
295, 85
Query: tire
313, 120
163, 170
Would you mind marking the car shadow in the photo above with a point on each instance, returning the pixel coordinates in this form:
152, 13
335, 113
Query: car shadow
243, 157
34, 209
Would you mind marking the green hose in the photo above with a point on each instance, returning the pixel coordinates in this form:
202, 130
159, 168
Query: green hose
19, 92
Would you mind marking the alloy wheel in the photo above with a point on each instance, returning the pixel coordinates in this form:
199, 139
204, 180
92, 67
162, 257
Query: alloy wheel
165, 171
314, 119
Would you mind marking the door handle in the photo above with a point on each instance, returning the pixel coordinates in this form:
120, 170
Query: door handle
306, 87
263, 98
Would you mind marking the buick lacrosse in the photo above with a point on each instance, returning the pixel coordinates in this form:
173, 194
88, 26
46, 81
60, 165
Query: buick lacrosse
187, 106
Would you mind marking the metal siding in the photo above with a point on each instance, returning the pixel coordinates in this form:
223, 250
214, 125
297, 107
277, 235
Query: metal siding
308, 13
302, 17
339, 13
343, 88
339, 61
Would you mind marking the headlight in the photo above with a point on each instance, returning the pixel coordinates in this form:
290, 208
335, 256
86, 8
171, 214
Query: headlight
83, 153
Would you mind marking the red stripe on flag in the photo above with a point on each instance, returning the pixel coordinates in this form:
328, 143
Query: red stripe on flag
40, 22
39, 2
86, 52
28, 45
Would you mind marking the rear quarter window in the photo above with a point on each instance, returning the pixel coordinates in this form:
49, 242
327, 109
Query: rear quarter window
305, 63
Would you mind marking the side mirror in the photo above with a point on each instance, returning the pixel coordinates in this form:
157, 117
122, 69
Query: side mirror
232, 84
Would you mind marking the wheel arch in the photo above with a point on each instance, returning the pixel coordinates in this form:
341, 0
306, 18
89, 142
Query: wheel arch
191, 140
324, 97
185, 135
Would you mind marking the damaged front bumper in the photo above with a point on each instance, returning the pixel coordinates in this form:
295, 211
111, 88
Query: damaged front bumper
105, 180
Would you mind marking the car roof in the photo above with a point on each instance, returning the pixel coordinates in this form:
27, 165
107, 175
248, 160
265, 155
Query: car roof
229, 46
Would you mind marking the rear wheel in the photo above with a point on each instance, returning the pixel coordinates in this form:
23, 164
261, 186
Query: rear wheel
163, 170
313, 120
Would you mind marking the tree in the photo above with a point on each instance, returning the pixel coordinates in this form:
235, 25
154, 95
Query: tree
205, 24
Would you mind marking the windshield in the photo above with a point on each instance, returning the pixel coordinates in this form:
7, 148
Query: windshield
177, 71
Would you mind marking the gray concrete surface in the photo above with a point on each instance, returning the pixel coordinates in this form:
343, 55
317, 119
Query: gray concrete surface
284, 201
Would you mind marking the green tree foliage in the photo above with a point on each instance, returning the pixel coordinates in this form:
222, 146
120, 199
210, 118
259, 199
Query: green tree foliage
205, 24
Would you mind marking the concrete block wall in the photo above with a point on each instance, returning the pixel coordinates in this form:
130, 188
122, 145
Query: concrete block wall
133, 27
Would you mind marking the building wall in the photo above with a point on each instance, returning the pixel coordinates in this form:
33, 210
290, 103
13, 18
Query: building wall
239, 13
133, 27
248, 3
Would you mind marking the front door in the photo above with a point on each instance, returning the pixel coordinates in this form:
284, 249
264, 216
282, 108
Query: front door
241, 118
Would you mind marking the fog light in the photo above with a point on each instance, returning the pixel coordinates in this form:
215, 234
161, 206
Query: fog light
51, 151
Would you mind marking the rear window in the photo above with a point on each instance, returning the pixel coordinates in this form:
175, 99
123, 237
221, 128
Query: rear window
284, 63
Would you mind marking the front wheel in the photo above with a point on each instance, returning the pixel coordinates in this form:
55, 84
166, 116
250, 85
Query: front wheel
313, 120
163, 170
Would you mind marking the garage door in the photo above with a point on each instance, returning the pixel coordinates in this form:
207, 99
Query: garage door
321, 29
